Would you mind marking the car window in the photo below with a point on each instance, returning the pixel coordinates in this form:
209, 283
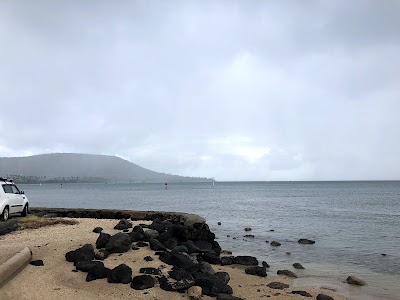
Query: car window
8, 189
15, 189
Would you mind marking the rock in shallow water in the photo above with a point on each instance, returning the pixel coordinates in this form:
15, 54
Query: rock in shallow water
275, 244
324, 297
298, 266
256, 270
306, 241
245, 260
302, 293
355, 281
277, 285
286, 273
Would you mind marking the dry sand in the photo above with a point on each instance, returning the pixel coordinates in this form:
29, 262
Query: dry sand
55, 280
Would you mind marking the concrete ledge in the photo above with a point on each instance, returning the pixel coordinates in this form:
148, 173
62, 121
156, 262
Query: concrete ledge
14, 265
185, 218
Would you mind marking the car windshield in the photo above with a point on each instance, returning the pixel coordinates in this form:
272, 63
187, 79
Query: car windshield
10, 189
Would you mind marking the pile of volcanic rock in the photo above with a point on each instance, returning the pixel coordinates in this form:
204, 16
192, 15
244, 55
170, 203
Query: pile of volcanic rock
188, 249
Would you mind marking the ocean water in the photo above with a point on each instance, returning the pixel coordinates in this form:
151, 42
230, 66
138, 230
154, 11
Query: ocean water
353, 223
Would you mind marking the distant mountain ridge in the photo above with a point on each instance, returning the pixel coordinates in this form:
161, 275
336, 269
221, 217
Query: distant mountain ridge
74, 167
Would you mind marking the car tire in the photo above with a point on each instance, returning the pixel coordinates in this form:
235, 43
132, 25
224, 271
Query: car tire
5, 215
24, 212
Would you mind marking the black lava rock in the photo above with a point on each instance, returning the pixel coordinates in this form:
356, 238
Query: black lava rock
119, 243
226, 260
150, 271
148, 258
324, 297
98, 272
85, 253
98, 230
37, 263
277, 285
245, 260
302, 293
256, 270
286, 273
306, 241
102, 240
143, 282
120, 274
86, 266
298, 266
156, 245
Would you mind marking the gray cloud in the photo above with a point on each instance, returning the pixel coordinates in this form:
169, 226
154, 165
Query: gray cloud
270, 90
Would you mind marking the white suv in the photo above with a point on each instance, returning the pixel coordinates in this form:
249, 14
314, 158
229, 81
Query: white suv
12, 200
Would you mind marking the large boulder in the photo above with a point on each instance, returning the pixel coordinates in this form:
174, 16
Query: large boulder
179, 260
179, 232
213, 285
85, 253
171, 243
151, 233
120, 274
245, 260
256, 270
210, 257
143, 282
102, 240
119, 243
226, 260
192, 248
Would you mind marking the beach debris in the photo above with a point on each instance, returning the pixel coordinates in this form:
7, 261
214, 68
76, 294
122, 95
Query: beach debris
277, 285
286, 273
324, 297
245, 260
298, 266
98, 272
102, 240
306, 241
226, 260
355, 281
150, 271
219, 223
37, 263
119, 243
143, 282
227, 297
195, 293
123, 224
302, 293
98, 229
86, 252
179, 274
214, 284
120, 274
256, 270
275, 244
247, 229
249, 235
148, 258
265, 264
271, 230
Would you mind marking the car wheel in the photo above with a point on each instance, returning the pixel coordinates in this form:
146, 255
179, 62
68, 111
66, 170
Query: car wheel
24, 211
5, 215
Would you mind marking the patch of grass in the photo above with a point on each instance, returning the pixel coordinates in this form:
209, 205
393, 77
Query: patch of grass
34, 222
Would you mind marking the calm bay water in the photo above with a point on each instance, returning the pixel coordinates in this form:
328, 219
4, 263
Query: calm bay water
353, 223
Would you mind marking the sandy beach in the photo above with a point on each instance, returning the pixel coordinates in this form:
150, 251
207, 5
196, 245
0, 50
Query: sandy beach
55, 280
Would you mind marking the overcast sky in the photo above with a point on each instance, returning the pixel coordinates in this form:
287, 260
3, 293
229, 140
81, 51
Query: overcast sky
236, 90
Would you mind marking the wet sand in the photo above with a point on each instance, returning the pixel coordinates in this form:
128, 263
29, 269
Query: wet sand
55, 280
